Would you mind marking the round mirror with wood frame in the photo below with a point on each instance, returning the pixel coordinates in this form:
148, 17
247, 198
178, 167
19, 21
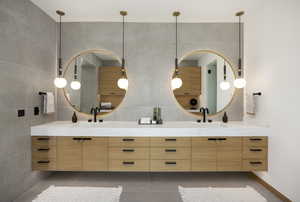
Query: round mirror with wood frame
207, 82
96, 74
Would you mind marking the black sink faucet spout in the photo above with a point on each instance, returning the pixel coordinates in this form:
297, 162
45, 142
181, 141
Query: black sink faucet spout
204, 112
94, 111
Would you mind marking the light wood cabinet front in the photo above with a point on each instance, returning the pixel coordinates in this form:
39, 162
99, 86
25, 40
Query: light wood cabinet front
128, 165
95, 154
204, 154
170, 165
150, 154
69, 153
129, 142
170, 142
129, 153
170, 153
229, 154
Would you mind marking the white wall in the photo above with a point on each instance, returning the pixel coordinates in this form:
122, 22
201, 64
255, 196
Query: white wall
272, 49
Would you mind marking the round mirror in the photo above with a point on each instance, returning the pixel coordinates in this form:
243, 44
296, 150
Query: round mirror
207, 81
94, 81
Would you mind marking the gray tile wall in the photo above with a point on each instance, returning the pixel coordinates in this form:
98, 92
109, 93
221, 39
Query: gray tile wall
27, 65
150, 50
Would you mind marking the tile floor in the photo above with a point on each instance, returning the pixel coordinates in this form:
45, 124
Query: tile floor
147, 187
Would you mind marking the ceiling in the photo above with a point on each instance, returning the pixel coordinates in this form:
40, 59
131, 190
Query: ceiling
147, 10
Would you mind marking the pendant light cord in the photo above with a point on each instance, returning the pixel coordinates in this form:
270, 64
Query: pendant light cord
240, 49
123, 44
59, 59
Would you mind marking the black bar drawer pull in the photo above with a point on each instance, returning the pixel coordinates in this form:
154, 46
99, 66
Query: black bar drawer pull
128, 140
211, 139
170, 163
222, 139
170, 150
170, 139
43, 138
43, 149
255, 139
128, 150
77, 138
87, 138
43, 162
256, 150
255, 163
128, 163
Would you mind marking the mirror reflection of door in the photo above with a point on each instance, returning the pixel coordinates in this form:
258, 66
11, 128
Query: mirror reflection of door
201, 73
211, 87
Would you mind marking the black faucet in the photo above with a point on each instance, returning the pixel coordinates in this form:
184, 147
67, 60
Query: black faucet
94, 111
204, 112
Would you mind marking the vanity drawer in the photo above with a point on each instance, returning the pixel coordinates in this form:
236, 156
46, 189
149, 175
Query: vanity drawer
254, 153
43, 151
170, 165
129, 153
170, 142
255, 141
43, 164
170, 153
129, 165
129, 142
199, 142
255, 165
43, 141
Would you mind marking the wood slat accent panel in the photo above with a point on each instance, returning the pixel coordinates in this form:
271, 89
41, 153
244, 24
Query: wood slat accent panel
170, 142
128, 165
170, 165
129, 142
122, 153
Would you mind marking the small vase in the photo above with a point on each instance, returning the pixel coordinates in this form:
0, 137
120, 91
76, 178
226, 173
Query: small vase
74, 118
225, 118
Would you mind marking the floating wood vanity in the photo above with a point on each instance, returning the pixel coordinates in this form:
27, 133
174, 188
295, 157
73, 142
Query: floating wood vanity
142, 151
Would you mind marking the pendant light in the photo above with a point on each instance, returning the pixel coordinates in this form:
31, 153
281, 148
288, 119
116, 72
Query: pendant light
240, 82
123, 81
75, 84
176, 81
225, 85
59, 81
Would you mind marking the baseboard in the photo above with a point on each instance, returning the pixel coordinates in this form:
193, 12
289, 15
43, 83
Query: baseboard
269, 187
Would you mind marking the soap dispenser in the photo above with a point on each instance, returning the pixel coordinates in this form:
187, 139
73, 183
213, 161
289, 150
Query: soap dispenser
225, 118
74, 118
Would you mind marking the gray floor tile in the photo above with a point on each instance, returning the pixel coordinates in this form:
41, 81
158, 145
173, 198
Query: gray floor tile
146, 187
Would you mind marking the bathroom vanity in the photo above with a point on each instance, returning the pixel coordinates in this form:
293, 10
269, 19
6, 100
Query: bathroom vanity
127, 146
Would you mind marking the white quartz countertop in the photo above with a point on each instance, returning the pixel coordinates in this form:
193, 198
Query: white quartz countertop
133, 129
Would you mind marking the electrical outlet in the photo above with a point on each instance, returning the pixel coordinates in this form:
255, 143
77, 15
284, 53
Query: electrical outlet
21, 112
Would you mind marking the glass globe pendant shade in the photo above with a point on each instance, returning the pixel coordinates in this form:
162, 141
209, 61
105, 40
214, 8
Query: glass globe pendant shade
239, 83
123, 83
75, 85
224, 85
176, 83
60, 82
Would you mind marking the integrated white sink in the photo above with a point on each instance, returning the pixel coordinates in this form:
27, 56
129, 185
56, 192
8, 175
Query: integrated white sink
123, 128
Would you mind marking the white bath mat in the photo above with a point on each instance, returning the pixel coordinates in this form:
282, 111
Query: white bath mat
209, 194
80, 194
